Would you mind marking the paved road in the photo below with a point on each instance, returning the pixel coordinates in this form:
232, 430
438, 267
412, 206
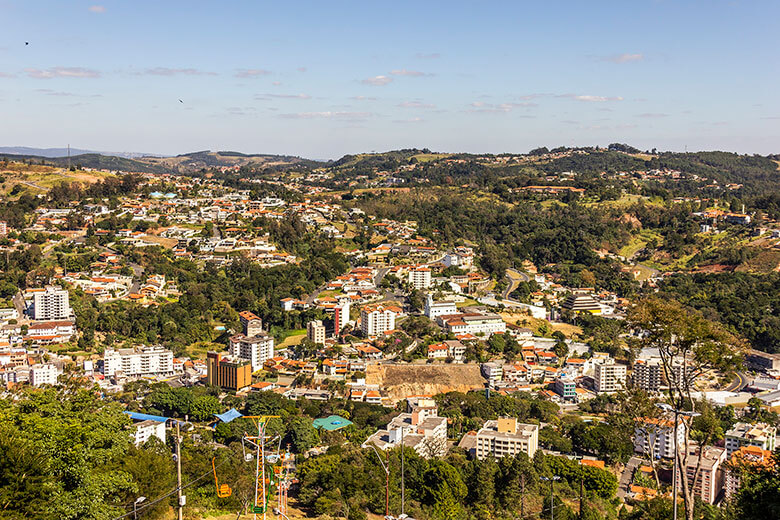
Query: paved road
740, 382
18, 300
515, 277
625, 477
380, 275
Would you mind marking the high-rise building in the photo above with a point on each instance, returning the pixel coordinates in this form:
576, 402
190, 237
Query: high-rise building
251, 323
377, 319
145, 361
340, 316
43, 375
609, 376
51, 304
256, 349
711, 478
420, 277
647, 374
743, 458
224, 372
655, 437
506, 436
760, 435
315, 331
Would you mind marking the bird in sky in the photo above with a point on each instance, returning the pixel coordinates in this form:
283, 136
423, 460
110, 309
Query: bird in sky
27, 43
180, 101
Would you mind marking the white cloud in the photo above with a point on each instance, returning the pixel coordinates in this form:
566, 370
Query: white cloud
165, 71
590, 98
412, 120
97, 9
251, 73
328, 115
62, 72
377, 81
410, 73
415, 104
481, 106
624, 58
363, 98
652, 115
289, 96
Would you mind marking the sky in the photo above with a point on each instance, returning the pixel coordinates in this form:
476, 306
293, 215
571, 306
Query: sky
321, 79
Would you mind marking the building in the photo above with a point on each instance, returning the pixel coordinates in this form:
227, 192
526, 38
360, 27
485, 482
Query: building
43, 375
566, 388
655, 437
763, 361
145, 361
493, 372
581, 303
251, 323
420, 428
229, 373
340, 316
315, 331
378, 318
711, 478
3, 227
475, 323
51, 304
739, 460
256, 349
760, 435
609, 377
435, 309
506, 436
647, 374
420, 277
145, 430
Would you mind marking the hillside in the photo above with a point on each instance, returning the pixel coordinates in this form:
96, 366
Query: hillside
401, 381
19, 176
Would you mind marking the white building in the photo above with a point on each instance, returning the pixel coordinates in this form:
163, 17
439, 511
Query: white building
655, 437
43, 375
420, 277
377, 319
647, 374
145, 430
256, 349
493, 372
506, 436
435, 309
760, 435
462, 257
478, 324
315, 331
146, 361
609, 376
420, 428
51, 304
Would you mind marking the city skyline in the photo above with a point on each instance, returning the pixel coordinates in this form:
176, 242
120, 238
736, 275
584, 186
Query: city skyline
322, 81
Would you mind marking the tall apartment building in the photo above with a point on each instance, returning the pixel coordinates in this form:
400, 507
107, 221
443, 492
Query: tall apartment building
566, 388
377, 319
145, 361
51, 304
420, 428
711, 479
506, 436
760, 435
315, 331
741, 459
648, 374
256, 349
609, 376
251, 323
655, 437
43, 375
228, 373
420, 277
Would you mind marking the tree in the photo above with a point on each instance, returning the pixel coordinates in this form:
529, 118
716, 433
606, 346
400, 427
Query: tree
688, 344
301, 434
758, 497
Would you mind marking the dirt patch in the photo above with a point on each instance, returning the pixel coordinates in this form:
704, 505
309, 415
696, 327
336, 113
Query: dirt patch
401, 381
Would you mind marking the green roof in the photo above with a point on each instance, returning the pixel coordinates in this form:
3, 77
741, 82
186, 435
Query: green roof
332, 423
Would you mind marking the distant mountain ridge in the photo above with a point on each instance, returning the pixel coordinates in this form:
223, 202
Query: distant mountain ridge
63, 152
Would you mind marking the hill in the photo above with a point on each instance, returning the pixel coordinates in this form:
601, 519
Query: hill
401, 381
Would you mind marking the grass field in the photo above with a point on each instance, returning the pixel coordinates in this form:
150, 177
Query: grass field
291, 337
37, 178
638, 242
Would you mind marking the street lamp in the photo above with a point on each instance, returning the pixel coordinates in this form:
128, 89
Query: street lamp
552, 498
135, 506
677, 413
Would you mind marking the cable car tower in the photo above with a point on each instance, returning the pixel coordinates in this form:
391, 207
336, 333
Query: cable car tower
262, 495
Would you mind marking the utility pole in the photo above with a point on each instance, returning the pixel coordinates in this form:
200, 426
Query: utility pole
403, 496
552, 496
677, 413
387, 486
582, 489
522, 495
180, 503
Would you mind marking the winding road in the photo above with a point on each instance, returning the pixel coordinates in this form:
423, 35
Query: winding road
515, 277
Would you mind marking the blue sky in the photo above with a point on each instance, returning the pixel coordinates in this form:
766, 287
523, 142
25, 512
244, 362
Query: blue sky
321, 79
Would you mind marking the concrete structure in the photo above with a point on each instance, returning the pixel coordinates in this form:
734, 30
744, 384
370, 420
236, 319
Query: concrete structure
566, 388
581, 303
493, 372
377, 319
739, 460
648, 374
507, 437
315, 331
251, 323
609, 377
764, 361
51, 304
655, 437
711, 478
435, 309
145, 430
43, 375
420, 427
476, 323
744, 434
420, 277
256, 349
146, 361
226, 372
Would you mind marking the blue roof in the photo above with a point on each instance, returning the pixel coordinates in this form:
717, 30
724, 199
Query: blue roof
332, 423
146, 417
229, 415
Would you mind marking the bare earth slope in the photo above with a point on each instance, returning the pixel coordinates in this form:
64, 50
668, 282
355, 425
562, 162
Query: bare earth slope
401, 381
